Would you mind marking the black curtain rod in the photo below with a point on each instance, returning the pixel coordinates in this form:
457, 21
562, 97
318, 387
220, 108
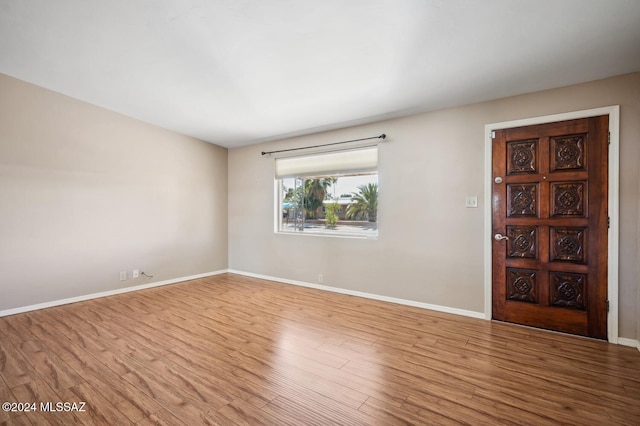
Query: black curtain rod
382, 136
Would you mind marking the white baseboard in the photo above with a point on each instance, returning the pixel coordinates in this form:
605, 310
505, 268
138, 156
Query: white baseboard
629, 342
406, 302
621, 340
105, 293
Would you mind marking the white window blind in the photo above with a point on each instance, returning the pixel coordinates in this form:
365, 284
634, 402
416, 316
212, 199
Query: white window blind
336, 162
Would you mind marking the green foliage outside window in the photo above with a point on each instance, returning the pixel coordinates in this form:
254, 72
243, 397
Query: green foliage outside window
331, 218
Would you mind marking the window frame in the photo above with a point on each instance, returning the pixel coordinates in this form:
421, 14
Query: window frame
367, 167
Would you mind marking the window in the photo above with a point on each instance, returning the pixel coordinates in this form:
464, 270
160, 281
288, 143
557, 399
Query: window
333, 193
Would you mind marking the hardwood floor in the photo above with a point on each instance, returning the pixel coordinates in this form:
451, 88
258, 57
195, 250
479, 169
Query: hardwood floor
235, 350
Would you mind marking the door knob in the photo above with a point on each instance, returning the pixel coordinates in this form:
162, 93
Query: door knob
500, 237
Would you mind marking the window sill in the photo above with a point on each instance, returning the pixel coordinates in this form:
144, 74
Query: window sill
329, 235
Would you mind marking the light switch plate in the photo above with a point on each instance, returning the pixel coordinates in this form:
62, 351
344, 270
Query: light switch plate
471, 202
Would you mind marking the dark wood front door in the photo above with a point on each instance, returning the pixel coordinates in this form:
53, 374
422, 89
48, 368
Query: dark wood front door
550, 226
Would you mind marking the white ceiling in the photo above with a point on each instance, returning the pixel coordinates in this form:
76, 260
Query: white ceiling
236, 72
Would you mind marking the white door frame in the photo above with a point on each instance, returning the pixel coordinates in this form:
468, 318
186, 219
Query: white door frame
614, 200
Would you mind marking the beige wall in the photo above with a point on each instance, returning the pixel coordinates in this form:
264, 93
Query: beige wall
86, 193
430, 247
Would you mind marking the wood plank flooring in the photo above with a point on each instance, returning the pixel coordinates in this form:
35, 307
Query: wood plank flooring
232, 350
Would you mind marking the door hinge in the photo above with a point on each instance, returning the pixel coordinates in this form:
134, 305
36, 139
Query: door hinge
492, 134
607, 306
608, 222
609, 137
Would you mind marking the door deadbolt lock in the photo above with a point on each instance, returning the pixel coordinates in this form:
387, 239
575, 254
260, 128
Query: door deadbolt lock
498, 179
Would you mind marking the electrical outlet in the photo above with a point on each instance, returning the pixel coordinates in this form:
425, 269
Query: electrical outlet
320, 278
136, 273
123, 275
